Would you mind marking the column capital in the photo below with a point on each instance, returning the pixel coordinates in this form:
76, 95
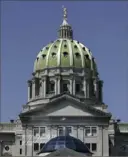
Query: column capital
29, 82
33, 79
43, 78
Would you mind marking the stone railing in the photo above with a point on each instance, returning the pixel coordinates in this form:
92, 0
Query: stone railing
7, 127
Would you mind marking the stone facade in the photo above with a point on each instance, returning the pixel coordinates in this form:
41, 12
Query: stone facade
62, 98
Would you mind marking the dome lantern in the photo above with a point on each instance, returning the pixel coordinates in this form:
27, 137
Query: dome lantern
65, 30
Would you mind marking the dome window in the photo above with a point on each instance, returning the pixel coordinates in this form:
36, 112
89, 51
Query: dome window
65, 54
75, 46
77, 54
53, 54
87, 56
84, 48
65, 46
47, 48
37, 58
65, 40
44, 56
78, 42
55, 46
41, 50
58, 40
72, 41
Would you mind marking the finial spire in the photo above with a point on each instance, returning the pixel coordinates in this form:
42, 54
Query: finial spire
65, 13
65, 30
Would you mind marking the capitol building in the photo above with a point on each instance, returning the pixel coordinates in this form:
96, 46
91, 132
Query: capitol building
65, 94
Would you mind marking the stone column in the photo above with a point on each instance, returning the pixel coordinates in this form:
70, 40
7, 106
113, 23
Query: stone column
87, 88
105, 141
56, 86
1, 149
29, 84
33, 88
100, 141
84, 84
29, 141
74, 86
44, 79
71, 86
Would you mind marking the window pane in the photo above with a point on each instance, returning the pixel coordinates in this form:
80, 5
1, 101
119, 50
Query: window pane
87, 131
61, 131
94, 131
36, 146
20, 151
94, 147
20, 142
36, 131
42, 131
77, 87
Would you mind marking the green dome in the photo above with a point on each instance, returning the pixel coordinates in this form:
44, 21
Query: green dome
64, 53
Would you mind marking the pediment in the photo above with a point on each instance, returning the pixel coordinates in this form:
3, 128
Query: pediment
67, 108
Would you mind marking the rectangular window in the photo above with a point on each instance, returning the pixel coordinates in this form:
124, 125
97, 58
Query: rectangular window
60, 131
87, 131
90, 131
88, 145
94, 146
77, 87
94, 131
69, 130
65, 88
20, 151
41, 145
52, 87
42, 131
36, 146
36, 131
20, 142
30, 91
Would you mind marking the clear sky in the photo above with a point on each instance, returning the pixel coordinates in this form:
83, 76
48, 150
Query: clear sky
27, 26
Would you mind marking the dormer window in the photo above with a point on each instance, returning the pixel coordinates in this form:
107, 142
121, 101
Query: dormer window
84, 48
65, 54
75, 46
87, 56
55, 46
37, 58
77, 54
65, 46
53, 54
47, 48
44, 56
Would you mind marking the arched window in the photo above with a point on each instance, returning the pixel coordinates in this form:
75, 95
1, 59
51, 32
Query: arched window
52, 86
78, 87
37, 86
66, 86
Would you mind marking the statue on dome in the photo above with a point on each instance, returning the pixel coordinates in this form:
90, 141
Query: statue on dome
65, 12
